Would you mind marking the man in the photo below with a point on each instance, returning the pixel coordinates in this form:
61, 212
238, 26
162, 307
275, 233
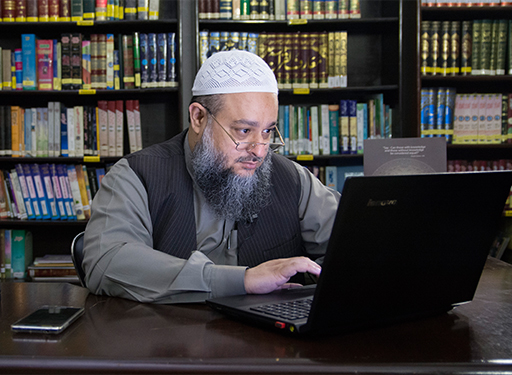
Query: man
213, 211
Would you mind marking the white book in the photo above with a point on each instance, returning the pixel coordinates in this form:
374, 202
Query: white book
119, 128
71, 131
75, 192
56, 128
22, 212
111, 114
138, 130
324, 124
315, 133
154, 6
79, 131
110, 61
51, 117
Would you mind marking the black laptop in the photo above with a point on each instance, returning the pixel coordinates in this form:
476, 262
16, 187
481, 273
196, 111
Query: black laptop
402, 247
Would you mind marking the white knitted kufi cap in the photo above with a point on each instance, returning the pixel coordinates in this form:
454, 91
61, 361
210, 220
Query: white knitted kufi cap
234, 71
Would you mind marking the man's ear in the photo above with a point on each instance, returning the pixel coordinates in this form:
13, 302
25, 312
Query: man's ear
198, 118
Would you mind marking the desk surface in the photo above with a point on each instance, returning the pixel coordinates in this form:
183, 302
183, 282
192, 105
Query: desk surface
117, 335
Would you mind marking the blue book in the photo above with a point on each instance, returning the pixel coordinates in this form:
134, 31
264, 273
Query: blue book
152, 60
64, 151
18, 63
28, 46
144, 60
66, 192
24, 170
57, 191
21, 252
41, 195
24, 191
449, 110
117, 71
56, 78
44, 169
344, 127
334, 129
431, 112
286, 129
100, 173
161, 59
439, 111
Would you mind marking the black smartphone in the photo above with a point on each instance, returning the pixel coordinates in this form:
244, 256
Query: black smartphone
48, 319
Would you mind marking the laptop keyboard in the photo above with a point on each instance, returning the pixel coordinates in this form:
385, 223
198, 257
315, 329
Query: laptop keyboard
291, 310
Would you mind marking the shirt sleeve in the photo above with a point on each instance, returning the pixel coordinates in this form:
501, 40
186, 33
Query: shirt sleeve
119, 259
317, 210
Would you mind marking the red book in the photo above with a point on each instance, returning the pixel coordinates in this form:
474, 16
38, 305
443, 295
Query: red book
54, 10
43, 10
44, 53
65, 10
128, 77
21, 10
9, 10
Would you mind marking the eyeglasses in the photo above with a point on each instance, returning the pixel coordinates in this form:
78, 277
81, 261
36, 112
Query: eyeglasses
246, 146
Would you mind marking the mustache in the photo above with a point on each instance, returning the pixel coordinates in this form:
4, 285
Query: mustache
254, 159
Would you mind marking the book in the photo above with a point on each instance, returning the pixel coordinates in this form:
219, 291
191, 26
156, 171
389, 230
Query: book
344, 129
110, 62
130, 123
76, 60
43, 10
119, 132
112, 126
57, 191
6, 69
83, 191
66, 79
40, 191
152, 60
333, 128
70, 115
127, 59
20, 185
75, 192
55, 213
171, 78
86, 65
102, 61
138, 125
44, 64
24, 174
325, 131
78, 117
66, 191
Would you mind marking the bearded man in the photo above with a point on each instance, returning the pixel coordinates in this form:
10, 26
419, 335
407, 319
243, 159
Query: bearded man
213, 211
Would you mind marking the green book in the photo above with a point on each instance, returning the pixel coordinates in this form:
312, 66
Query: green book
21, 252
494, 48
501, 54
485, 47
475, 55
465, 48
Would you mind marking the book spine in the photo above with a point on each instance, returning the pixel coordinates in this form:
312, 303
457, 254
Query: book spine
466, 48
128, 77
130, 122
455, 50
138, 129
70, 112
130, 10
485, 47
476, 38
25, 171
444, 45
49, 193
144, 58
44, 64
76, 61
110, 62
501, 53
352, 118
66, 81
19, 180
75, 192
43, 10
314, 41
89, 9
171, 79
136, 59
54, 177
86, 65
77, 10
28, 46
322, 62
119, 128
83, 191
449, 110
101, 10
117, 71
66, 193
324, 120
425, 37
315, 131
344, 127
152, 60
41, 196
161, 58
102, 61
111, 116
65, 10
333, 128
54, 10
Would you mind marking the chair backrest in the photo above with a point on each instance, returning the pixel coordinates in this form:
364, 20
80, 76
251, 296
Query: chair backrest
77, 255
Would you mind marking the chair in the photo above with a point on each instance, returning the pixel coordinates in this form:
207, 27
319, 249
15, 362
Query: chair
77, 255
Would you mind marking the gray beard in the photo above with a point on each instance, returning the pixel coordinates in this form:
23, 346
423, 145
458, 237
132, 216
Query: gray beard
229, 195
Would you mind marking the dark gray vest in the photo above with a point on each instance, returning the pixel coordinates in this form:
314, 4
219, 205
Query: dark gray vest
274, 234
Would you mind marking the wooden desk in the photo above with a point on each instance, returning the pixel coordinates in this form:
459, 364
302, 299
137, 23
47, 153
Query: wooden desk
120, 336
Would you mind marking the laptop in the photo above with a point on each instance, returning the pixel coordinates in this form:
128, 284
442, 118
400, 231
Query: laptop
401, 248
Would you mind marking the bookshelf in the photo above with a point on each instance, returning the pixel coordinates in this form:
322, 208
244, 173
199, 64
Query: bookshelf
375, 57
159, 120
467, 83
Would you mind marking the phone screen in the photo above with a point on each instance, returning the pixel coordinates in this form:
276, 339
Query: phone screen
48, 319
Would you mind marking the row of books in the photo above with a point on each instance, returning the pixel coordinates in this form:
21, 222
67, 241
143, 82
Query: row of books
95, 61
466, 118
465, 3
16, 249
48, 191
278, 9
77, 10
332, 129
53, 268
299, 60
78, 131
477, 47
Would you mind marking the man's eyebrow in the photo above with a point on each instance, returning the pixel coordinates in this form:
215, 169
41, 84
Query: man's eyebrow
252, 123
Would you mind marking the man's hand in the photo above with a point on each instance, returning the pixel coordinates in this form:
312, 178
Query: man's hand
274, 274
